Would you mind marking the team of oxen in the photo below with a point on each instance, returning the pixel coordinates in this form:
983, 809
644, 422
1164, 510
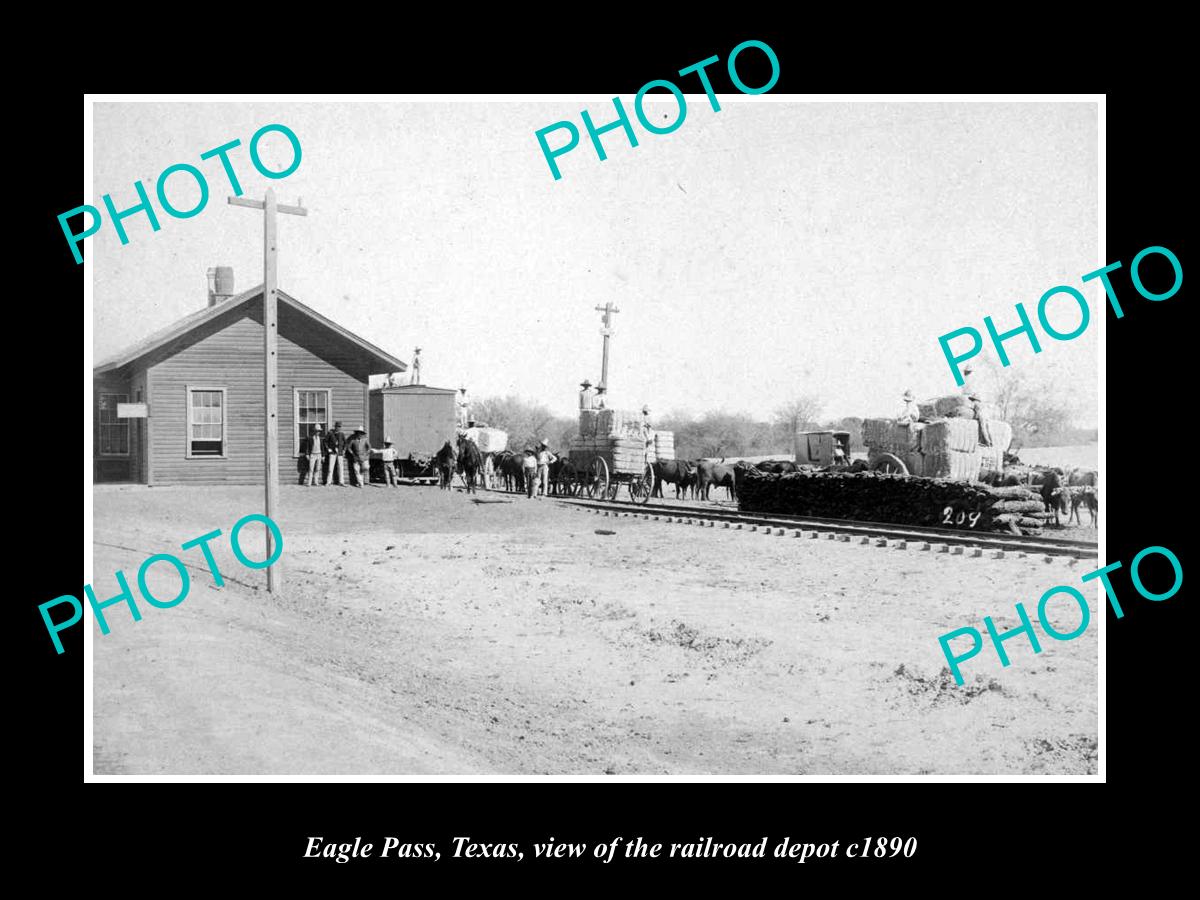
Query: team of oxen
690, 478
1064, 491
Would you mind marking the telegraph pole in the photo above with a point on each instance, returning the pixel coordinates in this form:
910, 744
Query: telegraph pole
608, 309
271, 360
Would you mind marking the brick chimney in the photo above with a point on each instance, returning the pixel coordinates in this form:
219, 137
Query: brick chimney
220, 284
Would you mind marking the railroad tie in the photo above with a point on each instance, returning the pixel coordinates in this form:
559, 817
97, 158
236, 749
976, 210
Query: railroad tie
997, 554
844, 538
900, 545
924, 545
864, 539
881, 542
941, 548
976, 552
957, 550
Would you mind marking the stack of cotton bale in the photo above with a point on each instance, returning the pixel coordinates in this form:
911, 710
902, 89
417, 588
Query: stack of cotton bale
664, 444
490, 440
950, 449
618, 422
890, 436
950, 406
587, 422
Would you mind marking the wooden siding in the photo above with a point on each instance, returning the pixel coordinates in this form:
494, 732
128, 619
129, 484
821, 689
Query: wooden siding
230, 357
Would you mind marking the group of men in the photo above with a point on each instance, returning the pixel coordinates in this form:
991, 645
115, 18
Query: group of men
339, 453
592, 397
536, 466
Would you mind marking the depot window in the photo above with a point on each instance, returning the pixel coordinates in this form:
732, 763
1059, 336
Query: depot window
206, 417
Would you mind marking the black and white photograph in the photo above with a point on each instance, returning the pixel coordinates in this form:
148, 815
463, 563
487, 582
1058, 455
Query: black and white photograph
468, 437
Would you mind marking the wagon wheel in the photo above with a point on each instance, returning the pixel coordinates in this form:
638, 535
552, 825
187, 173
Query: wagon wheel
597, 479
889, 464
640, 486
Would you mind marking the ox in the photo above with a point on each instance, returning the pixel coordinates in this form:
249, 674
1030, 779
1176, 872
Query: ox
710, 472
678, 472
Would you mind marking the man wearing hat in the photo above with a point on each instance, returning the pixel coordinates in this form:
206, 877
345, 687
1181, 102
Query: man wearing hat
359, 450
388, 457
544, 458
601, 395
312, 449
587, 397
335, 450
911, 412
529, 469
980, 411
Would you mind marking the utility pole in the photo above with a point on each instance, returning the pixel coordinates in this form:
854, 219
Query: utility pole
271, 360
608, 309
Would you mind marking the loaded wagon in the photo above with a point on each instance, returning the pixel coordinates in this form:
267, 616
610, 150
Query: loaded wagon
418, 420
614, 448
948, 445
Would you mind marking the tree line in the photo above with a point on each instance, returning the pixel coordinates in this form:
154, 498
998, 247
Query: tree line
1039, 416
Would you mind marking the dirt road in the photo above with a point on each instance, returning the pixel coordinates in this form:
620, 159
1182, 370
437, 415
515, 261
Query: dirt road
427, 632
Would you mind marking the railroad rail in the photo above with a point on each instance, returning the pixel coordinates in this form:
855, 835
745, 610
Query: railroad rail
877, 531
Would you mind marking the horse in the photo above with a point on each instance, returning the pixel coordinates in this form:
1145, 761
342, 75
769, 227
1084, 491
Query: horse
471, 461
445, 461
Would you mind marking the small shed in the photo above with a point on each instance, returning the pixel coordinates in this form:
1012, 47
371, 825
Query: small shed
419, 419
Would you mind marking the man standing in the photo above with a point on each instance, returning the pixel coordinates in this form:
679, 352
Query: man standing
335, 450
388, 456
601, 394
544, 458
312, 449
462, 408
587, 397
529, 469
980, 410
360, 453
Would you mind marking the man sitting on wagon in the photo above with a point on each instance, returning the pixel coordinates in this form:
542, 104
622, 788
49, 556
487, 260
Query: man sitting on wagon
910, 412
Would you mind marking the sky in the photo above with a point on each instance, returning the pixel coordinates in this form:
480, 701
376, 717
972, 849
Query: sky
764, 251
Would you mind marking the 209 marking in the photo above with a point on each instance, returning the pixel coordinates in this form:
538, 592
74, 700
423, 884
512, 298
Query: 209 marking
960, 518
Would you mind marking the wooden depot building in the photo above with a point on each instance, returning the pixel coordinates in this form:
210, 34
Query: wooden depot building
186, 405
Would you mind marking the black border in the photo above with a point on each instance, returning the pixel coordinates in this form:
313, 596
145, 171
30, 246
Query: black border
963, 829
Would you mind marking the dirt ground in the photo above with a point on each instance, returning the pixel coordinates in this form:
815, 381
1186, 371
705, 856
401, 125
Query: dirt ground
429, 632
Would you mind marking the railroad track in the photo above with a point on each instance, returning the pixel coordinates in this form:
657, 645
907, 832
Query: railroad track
848, 528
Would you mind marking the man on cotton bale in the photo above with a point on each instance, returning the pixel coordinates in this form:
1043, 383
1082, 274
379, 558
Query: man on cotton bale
910, 412
980, 411
600, 399
587, 397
